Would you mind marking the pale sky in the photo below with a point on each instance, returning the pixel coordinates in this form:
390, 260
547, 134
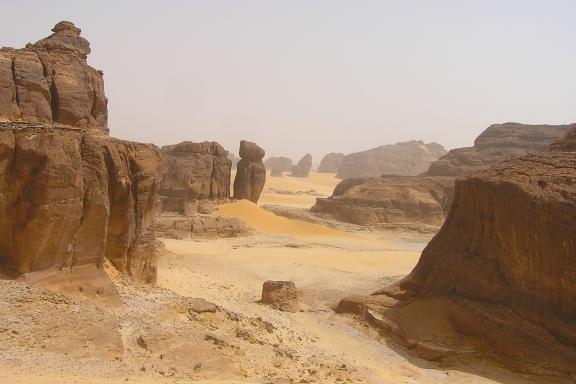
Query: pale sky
315, 76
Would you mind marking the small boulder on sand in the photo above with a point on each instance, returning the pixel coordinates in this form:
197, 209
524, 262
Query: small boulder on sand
281, 295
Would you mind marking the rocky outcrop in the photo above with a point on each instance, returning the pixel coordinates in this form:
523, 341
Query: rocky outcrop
500, 276
331, 162
281, 295
50, 81
497, 143
201, 226
390, 199
302, 169
71, 197
409, 158
250, 172
192, 173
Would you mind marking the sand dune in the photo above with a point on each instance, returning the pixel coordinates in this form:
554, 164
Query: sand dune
267, 222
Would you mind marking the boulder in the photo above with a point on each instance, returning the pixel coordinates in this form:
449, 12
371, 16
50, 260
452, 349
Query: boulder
50, 81
409, 158
194, 173
390, 200
302, 169
499, 279
281, 295
72, 197
331, 162
497, 143
282, 164
250, 172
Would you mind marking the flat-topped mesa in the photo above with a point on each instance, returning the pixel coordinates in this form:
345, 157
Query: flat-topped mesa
50, 81
194, 172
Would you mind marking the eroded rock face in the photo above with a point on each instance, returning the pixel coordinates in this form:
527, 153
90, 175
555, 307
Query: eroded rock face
331, 162
497, 143
201, 226
302, 169
281, 295
250, 173
390, 199
194, 172
50, 81
72, 197
409, 158
282, 164
501, 271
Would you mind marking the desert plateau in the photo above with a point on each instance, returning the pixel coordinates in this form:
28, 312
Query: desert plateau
249, 192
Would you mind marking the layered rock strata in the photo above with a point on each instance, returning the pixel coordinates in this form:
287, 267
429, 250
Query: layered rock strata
392, 199
71, 197
193, 173
499, 279
50, 81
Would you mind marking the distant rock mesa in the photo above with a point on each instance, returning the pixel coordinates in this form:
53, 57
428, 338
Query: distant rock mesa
302, 169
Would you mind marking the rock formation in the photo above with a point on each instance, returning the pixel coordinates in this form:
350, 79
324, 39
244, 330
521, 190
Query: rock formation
500, 276
281, 295
71, 197
497, 143
50, 81
391, 199
283, 164
409, 158
302, 169
250, 173
331, 162
194, 172
201, 226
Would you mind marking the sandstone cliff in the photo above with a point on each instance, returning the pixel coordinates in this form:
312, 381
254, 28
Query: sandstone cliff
402, 159
71, 197
391, 199
331, 162
194, 172
50, 81
499, 278
497, 143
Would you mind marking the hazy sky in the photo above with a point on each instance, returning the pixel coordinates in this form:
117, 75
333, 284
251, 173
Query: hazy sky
319, 76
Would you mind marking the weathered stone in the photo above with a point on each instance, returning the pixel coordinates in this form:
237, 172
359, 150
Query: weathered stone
201, 226
192, 174
283, 164
250, 172
390, 199
281, 295
501, 270
302, 169
409, 158
74, 197
50, 81
497, 143
331, 162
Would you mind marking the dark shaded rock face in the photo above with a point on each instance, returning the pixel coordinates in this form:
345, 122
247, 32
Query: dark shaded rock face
50, 81
250, 172
390, 200
193, 172
497, 143
503, 264
410, 158
302, 169
331, 163
71, 197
